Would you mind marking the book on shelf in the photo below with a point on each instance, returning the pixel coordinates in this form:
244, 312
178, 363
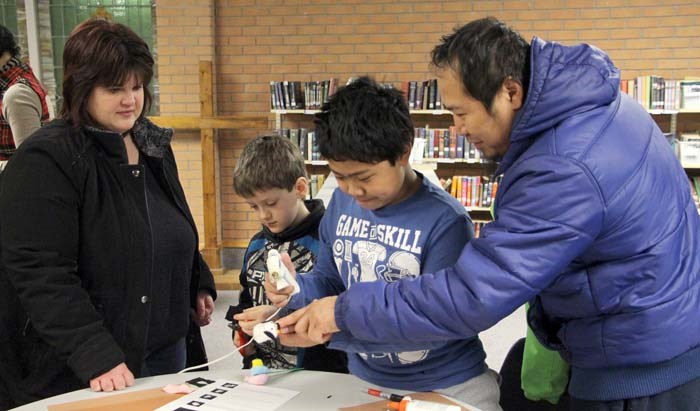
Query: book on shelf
304, 139
444, 143
421, 94
478, 225
474, 191
301, 95
659, 95
315, 184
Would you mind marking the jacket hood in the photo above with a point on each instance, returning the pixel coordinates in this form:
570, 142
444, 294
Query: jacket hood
564, 81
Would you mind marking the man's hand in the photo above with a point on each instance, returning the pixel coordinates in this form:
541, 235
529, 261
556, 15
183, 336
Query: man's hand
117, 378
204, 309
252, 316
279, 298
313, 323
290, 338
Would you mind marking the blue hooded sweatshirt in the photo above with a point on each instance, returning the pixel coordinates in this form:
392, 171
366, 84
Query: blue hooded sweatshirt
423, 233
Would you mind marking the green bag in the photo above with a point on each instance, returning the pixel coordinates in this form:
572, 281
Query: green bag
544, 374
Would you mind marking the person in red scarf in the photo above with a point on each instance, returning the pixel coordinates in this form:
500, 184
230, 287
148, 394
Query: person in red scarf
23, 106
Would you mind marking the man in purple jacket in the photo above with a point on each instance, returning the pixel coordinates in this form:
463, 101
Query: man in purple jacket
594, 226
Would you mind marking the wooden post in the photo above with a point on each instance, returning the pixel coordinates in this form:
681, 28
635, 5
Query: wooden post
211, 251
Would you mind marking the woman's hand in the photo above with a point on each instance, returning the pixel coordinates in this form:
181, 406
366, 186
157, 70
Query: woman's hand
117, 378
204, 309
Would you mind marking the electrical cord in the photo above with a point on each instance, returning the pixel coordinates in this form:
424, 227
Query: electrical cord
237, 348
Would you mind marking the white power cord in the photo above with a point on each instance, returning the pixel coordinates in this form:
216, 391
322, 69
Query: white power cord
237, 348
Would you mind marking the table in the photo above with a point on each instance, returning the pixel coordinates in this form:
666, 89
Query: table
317, 390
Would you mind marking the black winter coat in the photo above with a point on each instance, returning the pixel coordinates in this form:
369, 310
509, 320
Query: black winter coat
76, 265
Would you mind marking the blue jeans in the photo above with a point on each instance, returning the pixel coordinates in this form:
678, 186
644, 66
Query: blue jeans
682, 398
165, 360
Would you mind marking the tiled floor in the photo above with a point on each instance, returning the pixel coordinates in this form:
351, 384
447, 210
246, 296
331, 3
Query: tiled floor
217, 336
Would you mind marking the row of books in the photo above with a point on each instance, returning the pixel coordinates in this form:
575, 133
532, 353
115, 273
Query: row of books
301, 95
315, 183
431, 143
303, 138
474, 191
652, 92
310, 95
422, 95
657, 93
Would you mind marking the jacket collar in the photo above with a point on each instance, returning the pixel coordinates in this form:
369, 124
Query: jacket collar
306, 226
148, 137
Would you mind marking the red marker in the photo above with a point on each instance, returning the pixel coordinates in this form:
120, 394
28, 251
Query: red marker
388, 396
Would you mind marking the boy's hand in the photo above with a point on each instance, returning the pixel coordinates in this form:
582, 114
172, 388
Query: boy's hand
313, 323
279, 298
252, 316
239, 340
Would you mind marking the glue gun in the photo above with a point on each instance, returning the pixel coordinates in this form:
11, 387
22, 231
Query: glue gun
279, 273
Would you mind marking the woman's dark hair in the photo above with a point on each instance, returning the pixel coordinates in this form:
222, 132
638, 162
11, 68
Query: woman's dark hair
364, 122
484, 53
101, 53
8, 42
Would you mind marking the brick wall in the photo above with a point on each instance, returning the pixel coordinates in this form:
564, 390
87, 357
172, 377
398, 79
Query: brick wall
185, 35
261, 40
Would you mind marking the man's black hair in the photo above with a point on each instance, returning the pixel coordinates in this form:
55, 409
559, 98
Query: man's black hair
364, 122
484, 53
8, 42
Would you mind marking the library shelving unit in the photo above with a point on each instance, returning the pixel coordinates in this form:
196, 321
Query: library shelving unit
673, 115
444, 168
448, 167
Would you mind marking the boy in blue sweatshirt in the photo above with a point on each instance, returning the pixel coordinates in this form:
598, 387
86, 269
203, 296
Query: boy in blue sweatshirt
271, 177
385, 223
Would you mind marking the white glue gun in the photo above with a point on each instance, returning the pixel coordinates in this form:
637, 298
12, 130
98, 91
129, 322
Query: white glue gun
279, 273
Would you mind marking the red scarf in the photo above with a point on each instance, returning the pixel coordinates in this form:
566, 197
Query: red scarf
12, 73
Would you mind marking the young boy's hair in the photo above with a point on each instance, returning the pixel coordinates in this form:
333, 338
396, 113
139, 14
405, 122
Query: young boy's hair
364, 122
268, 162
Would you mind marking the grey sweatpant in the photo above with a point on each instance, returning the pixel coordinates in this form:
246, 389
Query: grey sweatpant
482, 392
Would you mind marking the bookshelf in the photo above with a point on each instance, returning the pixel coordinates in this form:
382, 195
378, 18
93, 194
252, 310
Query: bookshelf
673, 117
451, 166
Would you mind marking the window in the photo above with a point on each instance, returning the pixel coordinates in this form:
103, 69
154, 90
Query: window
8, 14
66, 14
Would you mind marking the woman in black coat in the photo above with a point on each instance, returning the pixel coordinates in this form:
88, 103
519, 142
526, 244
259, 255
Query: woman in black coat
101, 274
